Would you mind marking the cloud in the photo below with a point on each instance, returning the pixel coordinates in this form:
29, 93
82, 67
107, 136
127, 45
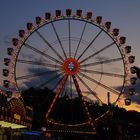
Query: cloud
138, 106
37, 81
44, 75
27, 56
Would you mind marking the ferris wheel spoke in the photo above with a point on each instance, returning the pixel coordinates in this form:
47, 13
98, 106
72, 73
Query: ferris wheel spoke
89, 89
58, 38
35, 75
57, 94
69, 37
102, 73
49, 45
80, 39
101, 62
50, 80
99, 83
42, 53
89, 118
38, 63
90, 44
101, 50
58, 83
55, 87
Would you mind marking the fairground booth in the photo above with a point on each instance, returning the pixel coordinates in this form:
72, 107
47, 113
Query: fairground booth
15, 118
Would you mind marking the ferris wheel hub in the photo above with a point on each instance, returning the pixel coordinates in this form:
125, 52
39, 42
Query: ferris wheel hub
71, 66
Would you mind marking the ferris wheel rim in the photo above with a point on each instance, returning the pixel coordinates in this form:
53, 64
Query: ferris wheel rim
81, 19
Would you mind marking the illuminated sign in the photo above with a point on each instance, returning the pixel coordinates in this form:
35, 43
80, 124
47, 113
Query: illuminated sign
17, 117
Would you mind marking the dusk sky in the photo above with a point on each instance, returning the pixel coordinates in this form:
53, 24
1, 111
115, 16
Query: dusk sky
124, 14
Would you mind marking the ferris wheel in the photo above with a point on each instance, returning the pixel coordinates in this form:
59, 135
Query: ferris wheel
74, 54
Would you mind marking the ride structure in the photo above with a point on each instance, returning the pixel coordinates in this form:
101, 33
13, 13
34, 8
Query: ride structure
74, 54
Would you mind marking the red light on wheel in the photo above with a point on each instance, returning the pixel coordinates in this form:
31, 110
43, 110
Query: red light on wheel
71, 66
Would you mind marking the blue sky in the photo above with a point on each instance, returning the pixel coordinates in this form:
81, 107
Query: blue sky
124, 14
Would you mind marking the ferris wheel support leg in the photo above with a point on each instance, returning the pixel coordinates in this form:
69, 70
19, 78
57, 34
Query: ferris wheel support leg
57, 95
89, 118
